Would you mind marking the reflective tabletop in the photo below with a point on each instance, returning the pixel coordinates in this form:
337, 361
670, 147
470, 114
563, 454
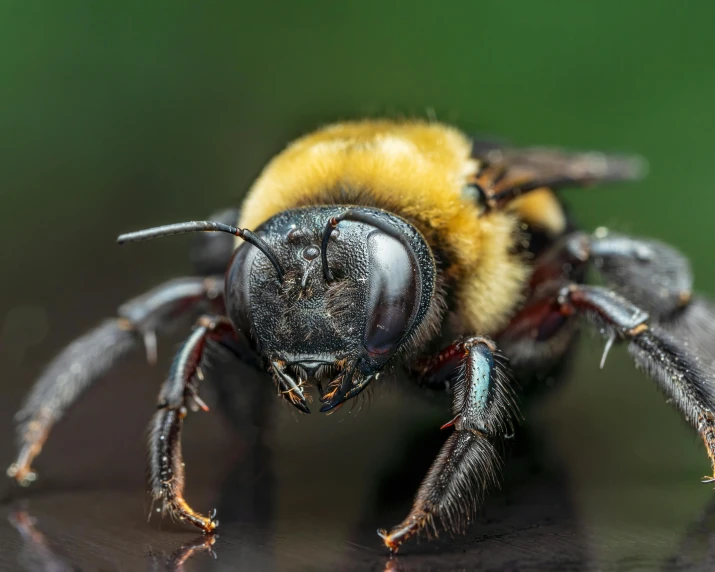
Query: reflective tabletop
296, 492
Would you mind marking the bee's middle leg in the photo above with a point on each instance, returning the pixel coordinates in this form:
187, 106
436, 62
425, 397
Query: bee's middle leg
468, 463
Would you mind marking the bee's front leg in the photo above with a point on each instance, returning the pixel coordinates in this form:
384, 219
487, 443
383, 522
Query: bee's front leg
178, 393
483, 408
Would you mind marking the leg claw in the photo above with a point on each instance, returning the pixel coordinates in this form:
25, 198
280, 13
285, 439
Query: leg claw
394, 539
212, 523
387, 539
24, 476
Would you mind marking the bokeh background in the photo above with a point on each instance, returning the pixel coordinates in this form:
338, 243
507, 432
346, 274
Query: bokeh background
117, 116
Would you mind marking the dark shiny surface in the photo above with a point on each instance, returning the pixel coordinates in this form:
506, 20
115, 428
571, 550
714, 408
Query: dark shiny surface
310, 495
393, 293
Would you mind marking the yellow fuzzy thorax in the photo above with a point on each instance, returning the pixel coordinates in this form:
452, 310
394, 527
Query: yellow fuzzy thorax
418, 171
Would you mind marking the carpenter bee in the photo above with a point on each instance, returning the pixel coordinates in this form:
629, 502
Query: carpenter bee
381, 243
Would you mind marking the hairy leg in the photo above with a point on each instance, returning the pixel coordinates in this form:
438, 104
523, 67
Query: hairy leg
681, 372
468, 464
88, 358
178, 393
650, 274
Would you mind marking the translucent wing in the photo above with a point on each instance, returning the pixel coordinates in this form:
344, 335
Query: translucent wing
506, 173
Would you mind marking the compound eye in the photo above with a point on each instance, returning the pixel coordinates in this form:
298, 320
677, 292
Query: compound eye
393, 293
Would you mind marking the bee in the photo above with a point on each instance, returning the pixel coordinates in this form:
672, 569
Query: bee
379, 244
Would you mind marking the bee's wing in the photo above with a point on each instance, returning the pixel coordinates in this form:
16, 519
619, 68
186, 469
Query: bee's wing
535, 167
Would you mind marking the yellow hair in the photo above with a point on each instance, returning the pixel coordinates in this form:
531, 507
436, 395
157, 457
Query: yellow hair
418, 171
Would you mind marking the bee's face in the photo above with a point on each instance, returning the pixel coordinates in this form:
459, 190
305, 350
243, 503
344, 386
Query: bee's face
339, 333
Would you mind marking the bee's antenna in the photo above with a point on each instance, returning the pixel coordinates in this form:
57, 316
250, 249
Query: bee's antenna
356, 216
204, 226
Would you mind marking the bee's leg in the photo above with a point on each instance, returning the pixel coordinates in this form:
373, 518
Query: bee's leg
178, 393
657, 278
669, 358
680, 373
650, 274
89, 357
538, 335
483, 409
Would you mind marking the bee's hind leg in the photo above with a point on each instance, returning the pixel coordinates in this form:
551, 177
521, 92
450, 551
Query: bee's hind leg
468, 464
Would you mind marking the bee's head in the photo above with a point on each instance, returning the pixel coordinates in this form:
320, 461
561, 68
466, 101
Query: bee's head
349, 290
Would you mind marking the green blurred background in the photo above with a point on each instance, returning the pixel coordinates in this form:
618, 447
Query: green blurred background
115, 116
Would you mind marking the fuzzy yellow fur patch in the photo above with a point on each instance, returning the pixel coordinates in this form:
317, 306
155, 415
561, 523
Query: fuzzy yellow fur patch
418, 171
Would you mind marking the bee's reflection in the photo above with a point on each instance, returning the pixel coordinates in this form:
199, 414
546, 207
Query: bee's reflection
38, 556
176, 560
35, 555
499, 541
